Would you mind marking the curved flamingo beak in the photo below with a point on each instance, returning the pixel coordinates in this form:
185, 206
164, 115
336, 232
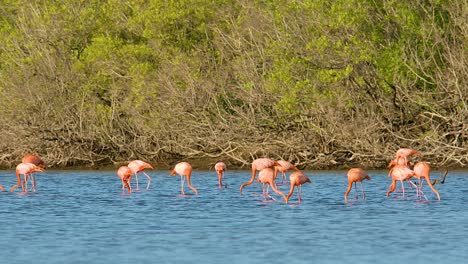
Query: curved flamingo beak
37, 168
146, 166
173, 173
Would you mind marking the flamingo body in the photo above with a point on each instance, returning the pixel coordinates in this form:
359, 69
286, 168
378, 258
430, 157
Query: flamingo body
34, 159
266, 176
399, 173
423, 170
283, 167
220, 168
258, 165
184, 169
138, 166
297, 179
401, 157
125, 174
25, 169
356, 175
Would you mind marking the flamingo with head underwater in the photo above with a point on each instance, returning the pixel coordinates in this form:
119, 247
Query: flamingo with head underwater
220, 168
36, 160
283, 167
266, 177
297, 179
125, 174
138, 166
423, 170
25, 169
399, 173
356, 175
258, 165
184, 169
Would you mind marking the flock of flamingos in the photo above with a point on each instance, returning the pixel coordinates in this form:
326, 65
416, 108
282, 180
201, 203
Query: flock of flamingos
400, 170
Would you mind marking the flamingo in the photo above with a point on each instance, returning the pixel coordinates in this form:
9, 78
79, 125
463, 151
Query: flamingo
400, 173
356, 175
138, 166
423, 170
26, 169
220, 168
266, 176
36, 160
125, 174
403, 154
297, 179
184, 169
283, 167
258, 165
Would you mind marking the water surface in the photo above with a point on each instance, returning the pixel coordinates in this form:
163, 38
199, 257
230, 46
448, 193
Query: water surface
83, 217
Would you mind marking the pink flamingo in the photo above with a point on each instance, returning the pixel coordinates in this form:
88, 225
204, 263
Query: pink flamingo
220, 168
258, 165
184, 169
125, 174
266, 176
36, 160
138, 166
400, 173
403, 154
297, 179
423, 170
283, 167
26, 169
356, 175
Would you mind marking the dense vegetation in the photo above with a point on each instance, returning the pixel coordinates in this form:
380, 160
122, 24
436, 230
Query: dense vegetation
320, 83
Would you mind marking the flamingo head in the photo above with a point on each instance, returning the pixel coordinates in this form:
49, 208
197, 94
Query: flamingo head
37, 168
173, 173
392, 163
367, 177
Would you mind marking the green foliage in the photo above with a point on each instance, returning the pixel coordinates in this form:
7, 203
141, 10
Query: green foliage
145, 77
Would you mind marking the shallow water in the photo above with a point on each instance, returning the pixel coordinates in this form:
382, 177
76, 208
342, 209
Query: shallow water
83, 217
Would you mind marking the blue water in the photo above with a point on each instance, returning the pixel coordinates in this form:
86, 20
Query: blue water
83, 217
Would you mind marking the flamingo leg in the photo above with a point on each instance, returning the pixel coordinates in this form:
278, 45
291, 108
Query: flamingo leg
403, 188
18, 176
24, 187
33, 182
299, 193
149, 180
220, 180
363, 194
267, 192
182, 185
422, 182
26, 183
268, 187
416, 187
355, 188
136, 177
